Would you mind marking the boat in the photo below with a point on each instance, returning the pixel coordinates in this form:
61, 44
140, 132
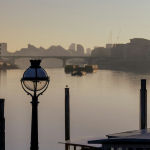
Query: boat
86, 68
78, 73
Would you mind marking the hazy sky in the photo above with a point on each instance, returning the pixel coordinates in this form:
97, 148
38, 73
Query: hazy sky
62, 22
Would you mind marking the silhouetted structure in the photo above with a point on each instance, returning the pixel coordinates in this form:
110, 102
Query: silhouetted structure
34, 51
57, 51
76, 52
72, 52
101, 52
118, 50
109, 45
72, 46
3, 49
80, 50
143, 105
87, 68
35, 79
67, 114
137, 49
96, 47
126, 55
88, 51
2, 125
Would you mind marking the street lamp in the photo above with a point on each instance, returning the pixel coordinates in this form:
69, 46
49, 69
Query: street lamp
35, 79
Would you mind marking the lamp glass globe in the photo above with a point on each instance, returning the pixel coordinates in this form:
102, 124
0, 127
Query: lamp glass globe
36, 79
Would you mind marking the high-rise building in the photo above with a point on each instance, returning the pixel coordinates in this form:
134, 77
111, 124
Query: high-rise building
3, 49
109, 45
96, 47
88, 51
137, 49
72, 46
101, 52
80, 50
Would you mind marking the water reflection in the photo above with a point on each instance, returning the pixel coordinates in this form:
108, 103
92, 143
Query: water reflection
102, 103
3, 80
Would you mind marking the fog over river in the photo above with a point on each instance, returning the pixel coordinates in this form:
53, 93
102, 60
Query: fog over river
100, 103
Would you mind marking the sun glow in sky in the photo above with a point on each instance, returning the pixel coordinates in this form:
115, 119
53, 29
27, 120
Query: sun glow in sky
62, 22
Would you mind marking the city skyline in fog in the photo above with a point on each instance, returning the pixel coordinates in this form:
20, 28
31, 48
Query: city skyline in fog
89, 23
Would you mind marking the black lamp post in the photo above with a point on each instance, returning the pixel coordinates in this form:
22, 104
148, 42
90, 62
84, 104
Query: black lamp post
35, 79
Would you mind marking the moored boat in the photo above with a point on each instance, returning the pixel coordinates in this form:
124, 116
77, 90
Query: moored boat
78, 73
86, 68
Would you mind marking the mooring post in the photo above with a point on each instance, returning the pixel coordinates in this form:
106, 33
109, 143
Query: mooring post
67, 114
2, 125
143, 105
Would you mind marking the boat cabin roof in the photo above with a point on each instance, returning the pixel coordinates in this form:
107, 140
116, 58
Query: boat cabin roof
135, 137
82, 142
129, 137
129, 133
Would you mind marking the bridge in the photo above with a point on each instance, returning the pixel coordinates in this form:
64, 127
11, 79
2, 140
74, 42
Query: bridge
89, 59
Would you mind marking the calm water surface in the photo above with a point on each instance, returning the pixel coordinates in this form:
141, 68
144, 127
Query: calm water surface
101, 103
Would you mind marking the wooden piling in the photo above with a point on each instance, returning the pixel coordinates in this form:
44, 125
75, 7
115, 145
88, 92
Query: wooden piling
2, 125
143, 105
67, 114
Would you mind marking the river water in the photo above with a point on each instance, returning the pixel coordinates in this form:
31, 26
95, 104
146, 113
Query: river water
100, 103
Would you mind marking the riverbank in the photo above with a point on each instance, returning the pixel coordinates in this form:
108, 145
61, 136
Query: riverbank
9, 67
127, 66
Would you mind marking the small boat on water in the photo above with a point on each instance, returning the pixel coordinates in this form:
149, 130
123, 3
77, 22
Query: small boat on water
86, 68
78, 73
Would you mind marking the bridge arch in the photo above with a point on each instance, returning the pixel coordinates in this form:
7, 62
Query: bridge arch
76, 61
51, 62
22, 62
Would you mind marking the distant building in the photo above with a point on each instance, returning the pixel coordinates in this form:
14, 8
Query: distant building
140, 40
72, 46
109, 45
88, 51
101, 52
72, 51
117, 50
3, 49
57, 51
137, 49
34, 51
80, 50
96, 47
